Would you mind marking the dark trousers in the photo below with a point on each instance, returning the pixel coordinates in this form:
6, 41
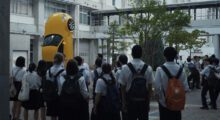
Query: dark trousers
204, 91
138, 110
166, 114
216, 95
195, 78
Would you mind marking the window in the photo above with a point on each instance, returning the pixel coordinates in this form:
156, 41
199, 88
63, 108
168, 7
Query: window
84, 16
52, 40
113, 2
53, 7
22, 7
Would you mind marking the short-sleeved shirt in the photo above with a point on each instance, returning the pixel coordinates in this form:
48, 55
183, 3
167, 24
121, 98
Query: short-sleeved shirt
82, 85
101, 87
206, 70
18, 73
125, 77
161, 80
54, 70
99, 71
86, 74
33, 79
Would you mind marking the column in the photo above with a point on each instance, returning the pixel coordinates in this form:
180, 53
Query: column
5, 58
76, 16
216, 45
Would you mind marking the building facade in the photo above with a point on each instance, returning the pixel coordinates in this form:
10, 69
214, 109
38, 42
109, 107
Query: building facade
27, 19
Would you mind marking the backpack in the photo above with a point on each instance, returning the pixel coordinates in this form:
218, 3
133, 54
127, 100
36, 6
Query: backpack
191, 67
212, 79
111, 102
96, 77
175, 93
70, 93
50, 88
138, 90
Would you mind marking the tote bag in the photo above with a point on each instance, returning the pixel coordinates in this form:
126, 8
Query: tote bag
25, 91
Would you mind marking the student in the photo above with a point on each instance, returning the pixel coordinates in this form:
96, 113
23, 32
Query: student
73, 94
217, 88
208, 84
97, 73
86, 74
16, 78
194, 75
162, 80
136, 91
41, 72
52, 77
34, 82
107, 104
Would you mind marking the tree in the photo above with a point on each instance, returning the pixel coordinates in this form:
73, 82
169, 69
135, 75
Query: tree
148, 25
115, 42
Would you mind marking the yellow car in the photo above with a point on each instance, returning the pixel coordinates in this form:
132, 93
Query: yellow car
58, 37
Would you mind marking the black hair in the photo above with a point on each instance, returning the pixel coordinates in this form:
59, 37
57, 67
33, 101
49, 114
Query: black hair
79, 60
31, 67
20, 62
137, 51
58, 58
42, 68
170, 54
72, 67
98, 62
123, 59
106, 68
100, 55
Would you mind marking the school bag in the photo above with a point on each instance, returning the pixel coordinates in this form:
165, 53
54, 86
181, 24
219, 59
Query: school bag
50, 88
212, 79
138, 90
110, 102
96, 77
70, 93
175, 92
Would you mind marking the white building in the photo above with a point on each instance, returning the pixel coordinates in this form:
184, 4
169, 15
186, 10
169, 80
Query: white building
27, 20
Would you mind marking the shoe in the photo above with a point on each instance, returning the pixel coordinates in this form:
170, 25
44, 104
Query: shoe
204, 108
214, 108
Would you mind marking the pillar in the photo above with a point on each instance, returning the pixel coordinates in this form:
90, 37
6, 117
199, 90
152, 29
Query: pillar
5, 58
216, 44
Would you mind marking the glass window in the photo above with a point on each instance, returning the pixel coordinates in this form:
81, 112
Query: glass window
52, 40
53, 7
84, 16
22, 7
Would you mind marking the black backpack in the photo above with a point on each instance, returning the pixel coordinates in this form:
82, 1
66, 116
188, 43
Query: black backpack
111, 102
96, 77
70, 93
138, 90
50, 88
212, 79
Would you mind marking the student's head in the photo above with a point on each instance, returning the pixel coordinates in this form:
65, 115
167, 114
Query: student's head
42, 65
98, 62
189, 59
72, 67
58, 58
136, 51
213, 61
170, 54
100, 56
20, 62
118, 64
123, 59
31, 67
106, 68
79, 60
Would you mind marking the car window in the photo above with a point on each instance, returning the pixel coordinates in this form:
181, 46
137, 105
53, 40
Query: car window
52, 40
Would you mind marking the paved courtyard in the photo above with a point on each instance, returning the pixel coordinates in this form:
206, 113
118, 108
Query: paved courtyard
191, 112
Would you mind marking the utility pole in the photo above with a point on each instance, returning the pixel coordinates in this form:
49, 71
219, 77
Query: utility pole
4, 58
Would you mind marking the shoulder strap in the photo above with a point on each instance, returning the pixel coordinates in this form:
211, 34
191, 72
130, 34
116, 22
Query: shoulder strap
16, 73
179, 72
131, 67
164, 68
106, 82
58, 73
144, 69
96, 73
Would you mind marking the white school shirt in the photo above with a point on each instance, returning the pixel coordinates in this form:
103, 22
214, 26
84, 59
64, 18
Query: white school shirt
206, 70
125, 77
99, 71
33, 79
86, 74
82, 86
101, 87
18, 73
161, 80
